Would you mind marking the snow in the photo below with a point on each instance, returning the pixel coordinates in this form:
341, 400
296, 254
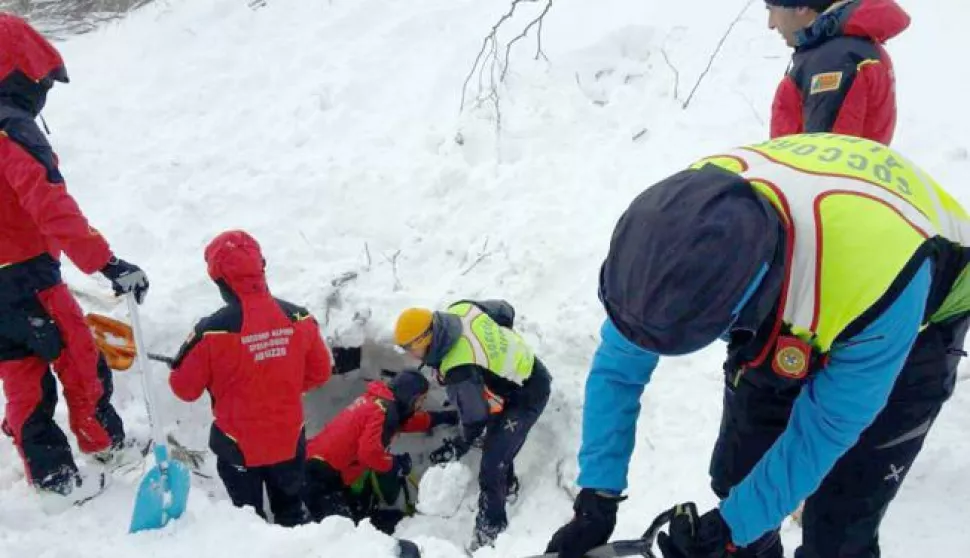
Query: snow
332, 132
443, 489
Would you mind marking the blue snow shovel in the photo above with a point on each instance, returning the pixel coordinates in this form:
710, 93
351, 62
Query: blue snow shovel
164, 491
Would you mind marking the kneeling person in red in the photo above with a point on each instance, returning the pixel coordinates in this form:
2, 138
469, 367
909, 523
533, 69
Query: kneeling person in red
350, 469
256, 356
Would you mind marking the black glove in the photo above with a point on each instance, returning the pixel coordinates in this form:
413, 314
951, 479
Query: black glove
346, 359
707, 536
451, 450
126, 278
591, 526
443, 417
402, 465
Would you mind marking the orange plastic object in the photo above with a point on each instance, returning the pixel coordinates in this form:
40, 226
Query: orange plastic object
114, 339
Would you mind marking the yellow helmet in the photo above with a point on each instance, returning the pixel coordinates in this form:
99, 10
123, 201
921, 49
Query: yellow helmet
413, 328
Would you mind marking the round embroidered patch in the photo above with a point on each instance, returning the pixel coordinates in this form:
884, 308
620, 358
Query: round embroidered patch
791, 361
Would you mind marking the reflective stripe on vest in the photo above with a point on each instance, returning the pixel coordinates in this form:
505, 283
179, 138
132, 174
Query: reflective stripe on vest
508, 356
842, 196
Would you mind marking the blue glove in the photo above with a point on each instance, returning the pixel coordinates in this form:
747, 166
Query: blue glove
126, 278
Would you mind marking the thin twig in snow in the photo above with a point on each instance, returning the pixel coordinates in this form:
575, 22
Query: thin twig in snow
676, 72
483, 254
710, 61
754, 110
367, 255
539, 51
393, 261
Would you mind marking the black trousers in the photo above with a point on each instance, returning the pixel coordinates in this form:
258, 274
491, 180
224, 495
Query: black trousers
283, 482
326, 495
31, 392
841, 519
506, 434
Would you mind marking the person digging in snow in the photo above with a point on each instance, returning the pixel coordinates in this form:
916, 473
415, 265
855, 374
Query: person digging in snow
350, 470
41, 324
837, 272
256, 357
498, 385
841, 78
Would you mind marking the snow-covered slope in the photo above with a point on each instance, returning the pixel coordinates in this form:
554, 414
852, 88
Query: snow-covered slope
331, 131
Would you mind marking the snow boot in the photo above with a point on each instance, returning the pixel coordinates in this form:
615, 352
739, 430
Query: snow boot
123, 457
77, 491
484, 535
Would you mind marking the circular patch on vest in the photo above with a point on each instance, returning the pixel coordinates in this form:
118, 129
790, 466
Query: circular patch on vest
791, 361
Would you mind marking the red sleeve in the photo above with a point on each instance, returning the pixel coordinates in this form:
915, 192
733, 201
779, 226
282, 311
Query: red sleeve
319, 364
419, 422
869, 109
45, 198
851, 118
786, 110
191, 372
372, 453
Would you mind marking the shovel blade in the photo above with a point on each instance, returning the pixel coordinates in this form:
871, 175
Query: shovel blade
162, 496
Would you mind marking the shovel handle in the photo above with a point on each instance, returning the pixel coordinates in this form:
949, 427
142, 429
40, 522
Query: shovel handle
142, 364
650, 535
162, 358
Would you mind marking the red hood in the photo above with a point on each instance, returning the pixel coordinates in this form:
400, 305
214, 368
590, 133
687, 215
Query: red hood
380, 389
24, 49
235, 257
879, 20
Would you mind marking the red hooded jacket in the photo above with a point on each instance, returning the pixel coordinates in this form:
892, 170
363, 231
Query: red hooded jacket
256, 357
358, 437
37, 215
841, 78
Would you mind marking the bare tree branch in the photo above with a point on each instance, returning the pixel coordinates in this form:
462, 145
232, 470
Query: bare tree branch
490, 69
535, 21
710, 61
59, 19
489, 40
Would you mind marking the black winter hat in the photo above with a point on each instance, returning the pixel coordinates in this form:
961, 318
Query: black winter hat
817, 5
408, 386
684, 256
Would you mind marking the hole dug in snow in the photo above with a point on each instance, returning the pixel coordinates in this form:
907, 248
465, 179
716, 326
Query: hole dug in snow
322, 404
